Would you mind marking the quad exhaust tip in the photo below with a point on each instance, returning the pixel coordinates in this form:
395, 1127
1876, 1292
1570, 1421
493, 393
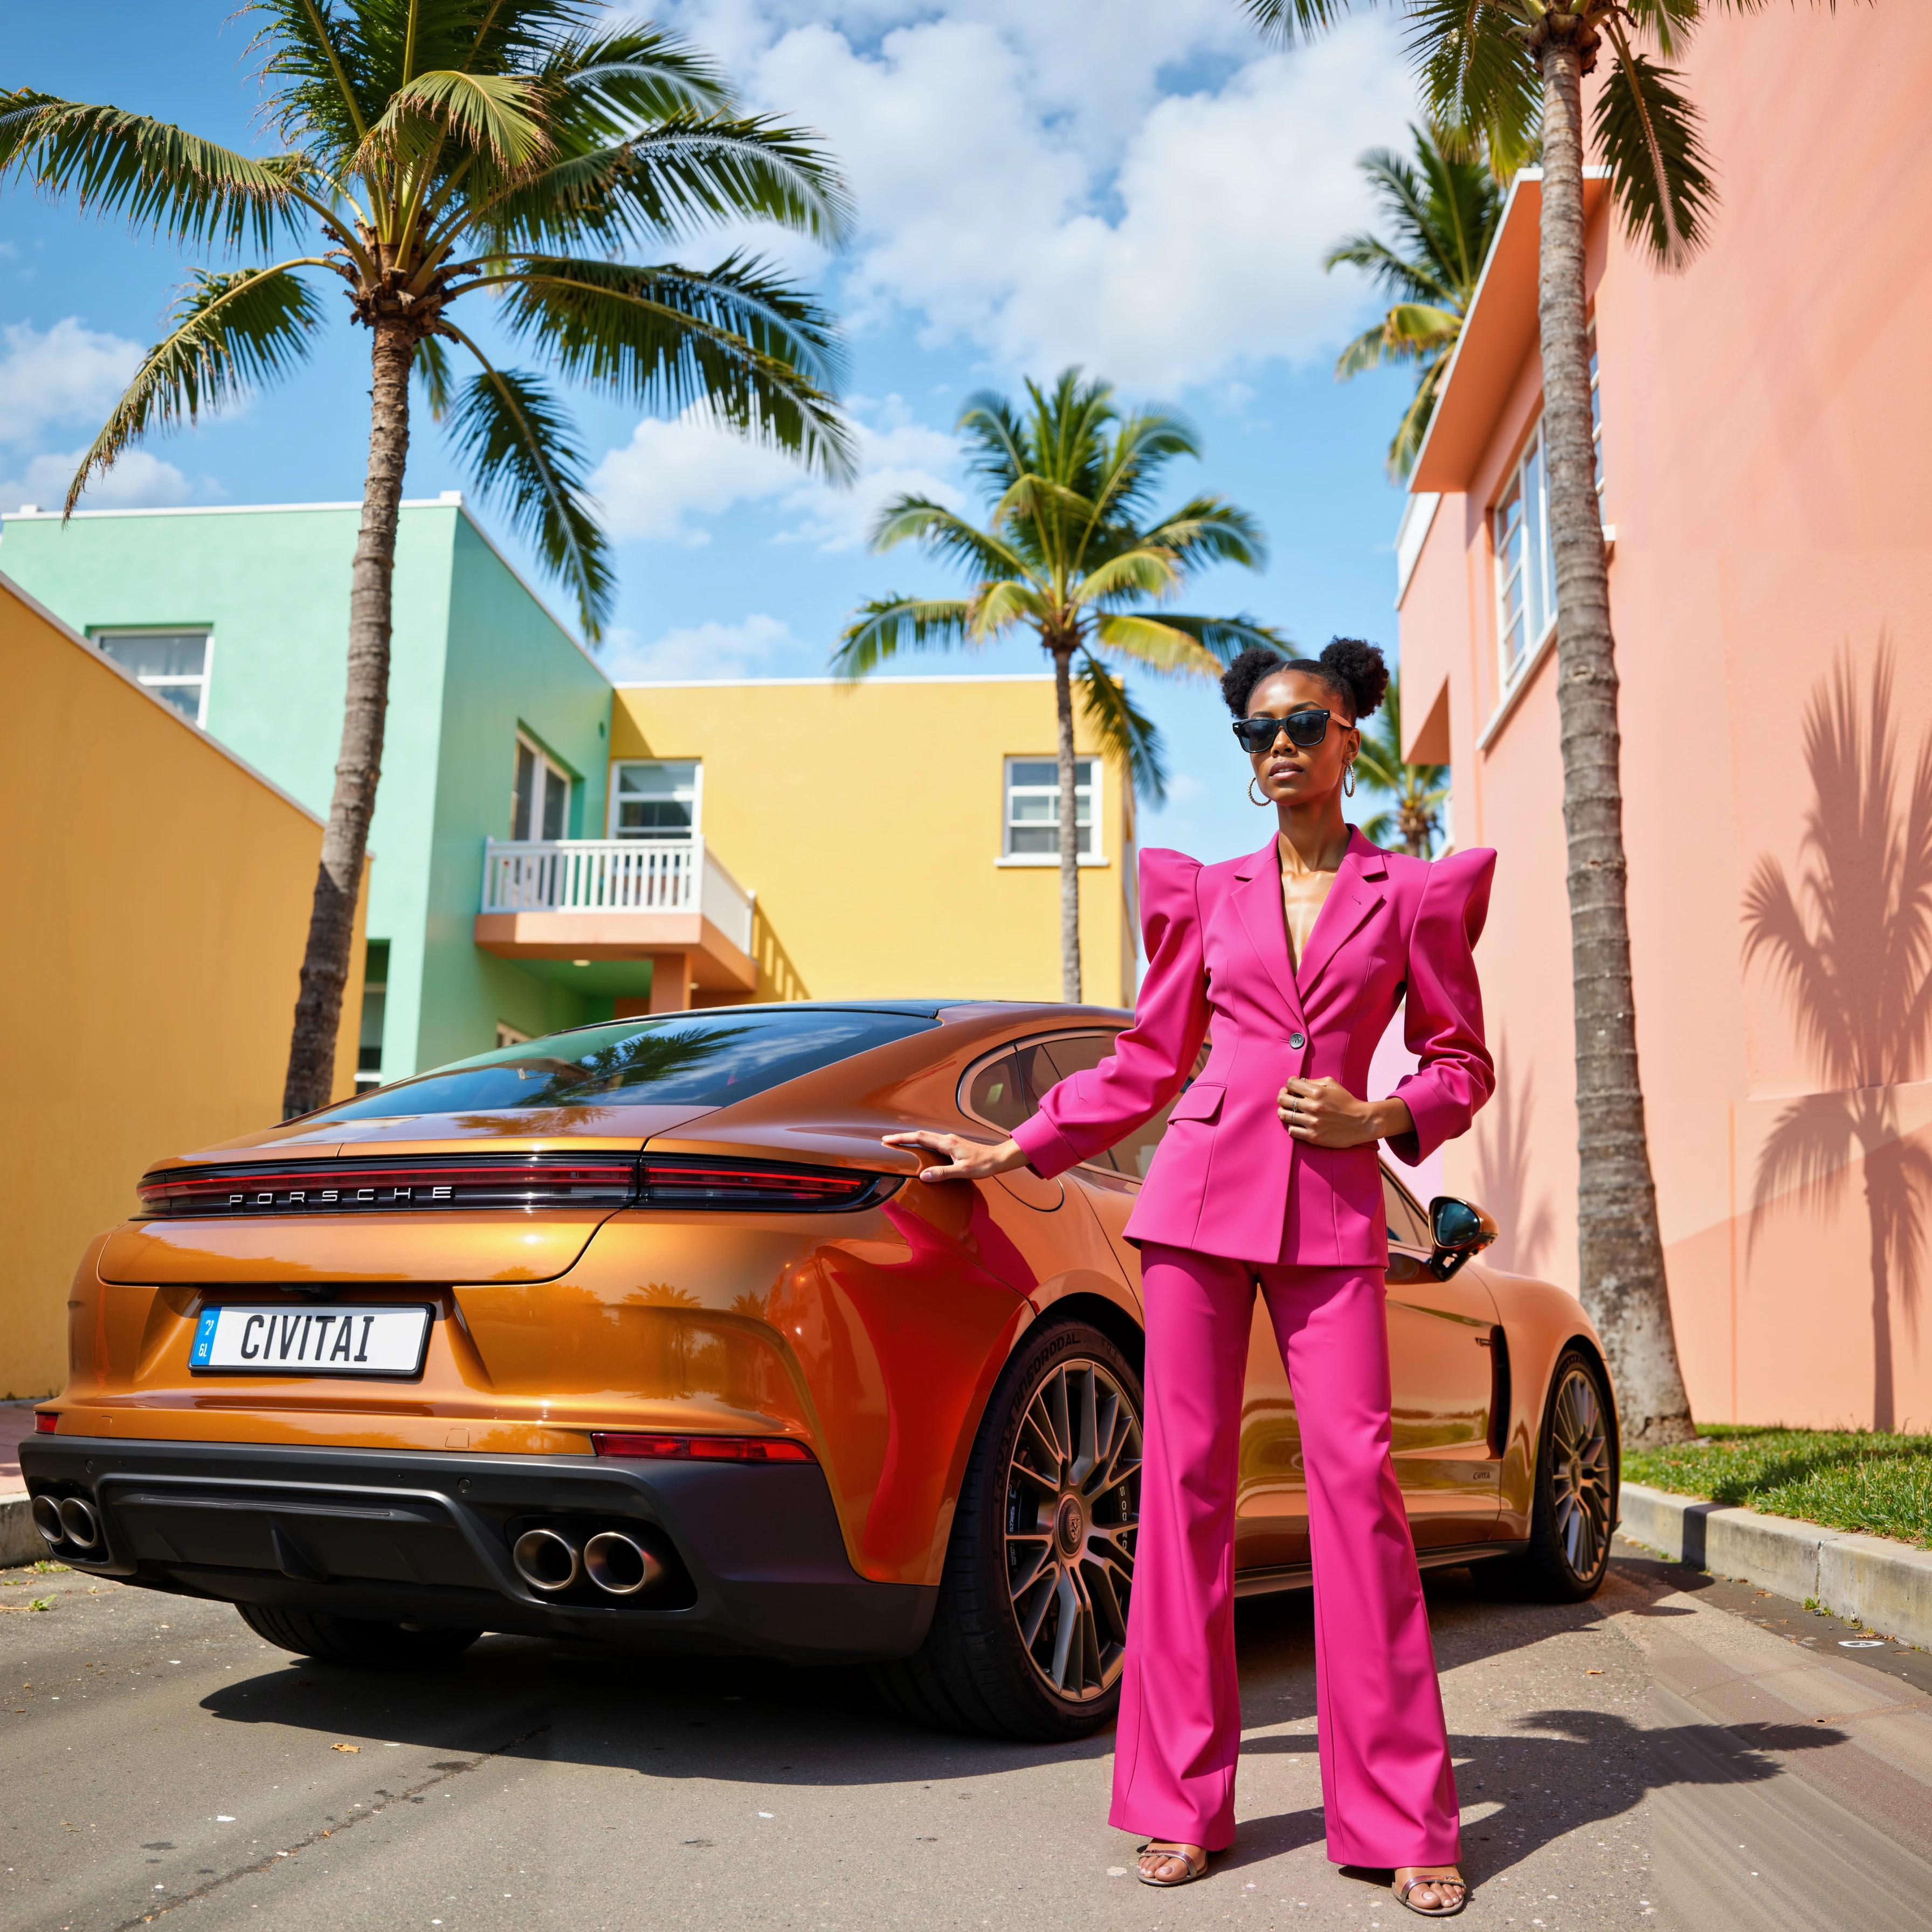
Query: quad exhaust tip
68, 1520
619, 1564
551, 1561
547, 1561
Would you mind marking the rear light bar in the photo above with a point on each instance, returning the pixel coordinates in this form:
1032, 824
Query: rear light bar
602, 1181
698, 1181
703, 1448
45, 1424
350, 1186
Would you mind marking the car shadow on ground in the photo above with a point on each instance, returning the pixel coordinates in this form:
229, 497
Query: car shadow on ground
736, 1719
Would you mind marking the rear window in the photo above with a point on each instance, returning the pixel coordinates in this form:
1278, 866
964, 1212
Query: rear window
705, 1059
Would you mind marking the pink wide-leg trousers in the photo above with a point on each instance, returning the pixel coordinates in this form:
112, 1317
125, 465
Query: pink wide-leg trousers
1388, 1791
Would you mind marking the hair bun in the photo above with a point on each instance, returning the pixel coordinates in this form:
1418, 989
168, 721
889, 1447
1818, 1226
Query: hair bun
1361, 667
1239, 680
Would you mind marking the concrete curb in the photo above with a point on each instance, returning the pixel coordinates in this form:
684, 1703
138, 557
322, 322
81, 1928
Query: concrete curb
1885, 1585
20, 1542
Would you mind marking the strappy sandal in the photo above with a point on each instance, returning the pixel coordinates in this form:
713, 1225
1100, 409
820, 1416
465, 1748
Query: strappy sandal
1151, 1850
1402, 1891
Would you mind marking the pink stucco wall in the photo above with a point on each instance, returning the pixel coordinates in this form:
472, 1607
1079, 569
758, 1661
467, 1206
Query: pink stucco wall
1765, 418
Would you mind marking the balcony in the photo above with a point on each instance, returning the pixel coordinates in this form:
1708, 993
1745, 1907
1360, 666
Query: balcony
589, 912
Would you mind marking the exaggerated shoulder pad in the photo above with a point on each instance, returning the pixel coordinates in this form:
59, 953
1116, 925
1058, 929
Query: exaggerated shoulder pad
1168, 880
1457, 891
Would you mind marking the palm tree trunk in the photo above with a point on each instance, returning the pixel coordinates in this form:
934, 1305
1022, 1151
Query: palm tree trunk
1069, 831
345, 842
1621, 1250
1884, 1415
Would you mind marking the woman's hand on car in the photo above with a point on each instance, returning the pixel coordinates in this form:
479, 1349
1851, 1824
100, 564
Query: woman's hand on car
1324, 1113
968, 1160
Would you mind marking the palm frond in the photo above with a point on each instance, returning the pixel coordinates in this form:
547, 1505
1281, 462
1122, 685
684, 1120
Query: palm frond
1286, 21
1148, 571
1480, 86
919, 520
519, 445
1123, 730
603, 86
230, 332
882, 627
158, 176
432, 369
1209, 529
998, 606
1648, 134
493, 115
320, 94
1159, 643
992, 428
683, 175
752, 347
1225, 638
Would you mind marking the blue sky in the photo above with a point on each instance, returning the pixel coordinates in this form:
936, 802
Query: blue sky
1142, 189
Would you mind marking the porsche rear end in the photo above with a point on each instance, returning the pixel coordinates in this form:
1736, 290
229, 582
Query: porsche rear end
572, 1380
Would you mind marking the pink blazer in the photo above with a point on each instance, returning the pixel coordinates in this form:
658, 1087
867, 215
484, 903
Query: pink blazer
1227, 1178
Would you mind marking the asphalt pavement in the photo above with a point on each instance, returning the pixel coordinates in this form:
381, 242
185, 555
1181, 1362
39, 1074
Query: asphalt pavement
1681, 1752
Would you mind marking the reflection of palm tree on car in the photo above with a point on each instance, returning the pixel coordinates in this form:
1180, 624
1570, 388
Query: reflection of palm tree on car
1851, 944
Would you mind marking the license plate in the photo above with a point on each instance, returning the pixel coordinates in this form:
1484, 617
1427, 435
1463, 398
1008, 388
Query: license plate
348, 1339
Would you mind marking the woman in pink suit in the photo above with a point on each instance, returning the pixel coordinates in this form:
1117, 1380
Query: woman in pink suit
1291, 964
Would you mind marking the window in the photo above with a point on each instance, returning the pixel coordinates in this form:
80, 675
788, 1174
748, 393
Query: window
1007, 1090
1596, 415
541, 806
706, 1059
173, 664
1407, 1224
509, 1036
1033, 809
375, 1000
656, 800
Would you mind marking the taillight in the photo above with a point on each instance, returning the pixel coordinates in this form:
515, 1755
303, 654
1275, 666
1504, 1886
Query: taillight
703, 1448
45, 1424
676, 1181
348, 1187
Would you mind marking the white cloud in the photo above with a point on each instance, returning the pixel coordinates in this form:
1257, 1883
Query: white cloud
747, 649
673, 472
55, 375
138, 481
1151, 199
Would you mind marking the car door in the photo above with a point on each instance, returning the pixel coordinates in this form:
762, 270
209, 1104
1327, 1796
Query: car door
1441, 1377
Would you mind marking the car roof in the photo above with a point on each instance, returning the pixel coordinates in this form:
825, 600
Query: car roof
930, 1010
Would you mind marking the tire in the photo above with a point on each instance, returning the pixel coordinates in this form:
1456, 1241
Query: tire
1575, 1511
1057, 1552
346, 1640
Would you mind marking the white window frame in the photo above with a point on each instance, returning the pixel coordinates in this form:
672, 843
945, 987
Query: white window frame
509, 1036
613, 802
1538, 569
1096, 795
547, 767
158, 685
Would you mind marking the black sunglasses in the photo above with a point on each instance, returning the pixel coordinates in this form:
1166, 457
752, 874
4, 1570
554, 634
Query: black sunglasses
1305, 728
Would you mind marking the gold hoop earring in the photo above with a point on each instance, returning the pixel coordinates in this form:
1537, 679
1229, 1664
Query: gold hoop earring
1251, 798
1348, 779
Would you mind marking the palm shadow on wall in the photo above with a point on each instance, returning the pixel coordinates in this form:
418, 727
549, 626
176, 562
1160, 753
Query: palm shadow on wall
1526, 1227
1850, 943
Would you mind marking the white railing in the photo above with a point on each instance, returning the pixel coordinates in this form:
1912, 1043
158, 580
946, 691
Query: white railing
644, 875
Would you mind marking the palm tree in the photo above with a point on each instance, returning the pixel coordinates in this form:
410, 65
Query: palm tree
1068, 552
1506, 76
1417, 792
1443, 213
507, 148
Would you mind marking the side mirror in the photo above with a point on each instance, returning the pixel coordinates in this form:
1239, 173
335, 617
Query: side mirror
1458, 1228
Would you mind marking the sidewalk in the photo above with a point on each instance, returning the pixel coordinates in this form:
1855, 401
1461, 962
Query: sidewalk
19, 1540
1872, 1579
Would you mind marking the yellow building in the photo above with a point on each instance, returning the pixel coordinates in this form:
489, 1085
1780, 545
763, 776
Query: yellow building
806, 838
160, 891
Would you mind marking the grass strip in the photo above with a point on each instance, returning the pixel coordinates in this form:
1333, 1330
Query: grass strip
1857, 1479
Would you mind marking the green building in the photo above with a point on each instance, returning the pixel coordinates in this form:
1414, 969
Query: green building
498, 723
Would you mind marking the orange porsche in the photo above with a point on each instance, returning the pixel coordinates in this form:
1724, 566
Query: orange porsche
637, 1334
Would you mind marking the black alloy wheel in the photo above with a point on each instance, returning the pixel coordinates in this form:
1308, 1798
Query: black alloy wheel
1575, 1512
329, 1639
1029, 1636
